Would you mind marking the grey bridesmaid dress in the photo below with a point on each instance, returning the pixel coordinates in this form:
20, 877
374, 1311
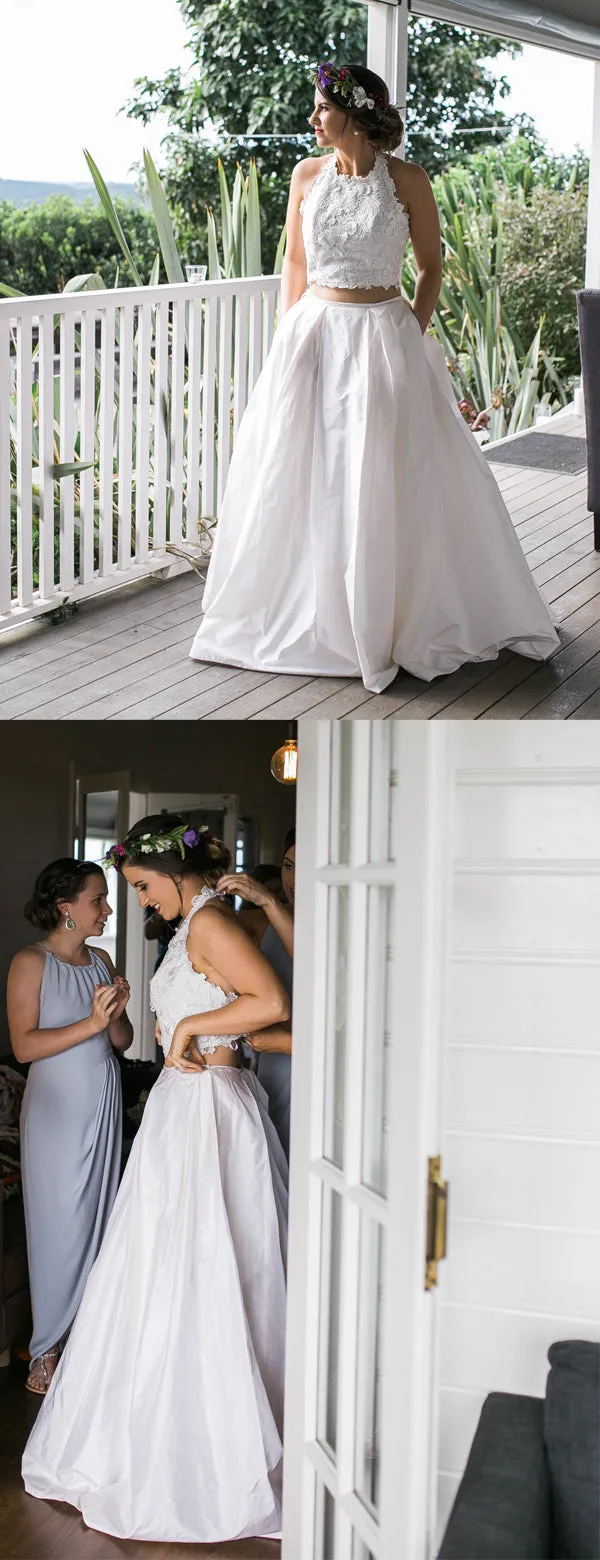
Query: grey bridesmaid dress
275, 1067
70, 1150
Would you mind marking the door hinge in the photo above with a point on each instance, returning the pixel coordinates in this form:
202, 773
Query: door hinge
437, 1219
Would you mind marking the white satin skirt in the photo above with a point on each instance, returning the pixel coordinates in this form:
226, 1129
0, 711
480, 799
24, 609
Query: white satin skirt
164, 1418
361, 529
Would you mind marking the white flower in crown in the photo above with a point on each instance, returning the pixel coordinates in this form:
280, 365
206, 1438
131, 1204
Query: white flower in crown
360, 99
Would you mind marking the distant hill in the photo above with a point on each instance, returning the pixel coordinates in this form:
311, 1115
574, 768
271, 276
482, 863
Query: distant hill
22, 192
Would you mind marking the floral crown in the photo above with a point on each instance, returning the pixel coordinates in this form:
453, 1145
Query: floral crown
340, 83
155, 844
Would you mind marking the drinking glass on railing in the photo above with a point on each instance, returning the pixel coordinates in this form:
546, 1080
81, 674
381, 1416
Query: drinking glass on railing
196, 273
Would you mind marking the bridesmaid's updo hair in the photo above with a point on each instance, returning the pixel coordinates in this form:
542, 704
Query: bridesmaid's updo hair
383, 124
209, 858
63, 879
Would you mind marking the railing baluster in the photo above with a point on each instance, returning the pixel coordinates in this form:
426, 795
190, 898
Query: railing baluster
194, 382
208, 406
240, 361
142, 430
46, 454
161, 417
125, 457
87, 448
224, 415
67, 448
6, 593
24, 460
107, 440
177, 420
255, 340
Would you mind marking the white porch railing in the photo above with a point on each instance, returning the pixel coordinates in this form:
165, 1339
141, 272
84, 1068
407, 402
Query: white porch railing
148, 386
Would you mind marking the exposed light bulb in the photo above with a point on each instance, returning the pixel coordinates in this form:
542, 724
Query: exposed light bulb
284, 763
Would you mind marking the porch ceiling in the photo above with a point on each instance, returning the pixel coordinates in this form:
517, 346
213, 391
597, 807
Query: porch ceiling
572, 26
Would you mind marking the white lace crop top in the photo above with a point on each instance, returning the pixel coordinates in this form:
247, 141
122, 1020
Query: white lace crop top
355, 229
177, 989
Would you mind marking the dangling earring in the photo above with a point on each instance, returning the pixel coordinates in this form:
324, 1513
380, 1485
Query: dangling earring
69, 923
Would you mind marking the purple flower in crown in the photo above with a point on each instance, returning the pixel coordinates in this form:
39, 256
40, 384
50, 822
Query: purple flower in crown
191, 837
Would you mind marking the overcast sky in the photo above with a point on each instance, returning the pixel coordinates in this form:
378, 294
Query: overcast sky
70, 66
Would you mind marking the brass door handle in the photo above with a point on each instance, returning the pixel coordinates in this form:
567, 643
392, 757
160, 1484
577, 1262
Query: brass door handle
437, 1220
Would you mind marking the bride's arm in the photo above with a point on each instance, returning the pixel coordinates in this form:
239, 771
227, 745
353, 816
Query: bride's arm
293, 276
218, 944
424, 236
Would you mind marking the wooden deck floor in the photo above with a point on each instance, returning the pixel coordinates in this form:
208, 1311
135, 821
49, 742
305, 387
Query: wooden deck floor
125, 656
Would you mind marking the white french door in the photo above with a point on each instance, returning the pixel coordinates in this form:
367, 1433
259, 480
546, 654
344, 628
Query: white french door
371, 878
447, 991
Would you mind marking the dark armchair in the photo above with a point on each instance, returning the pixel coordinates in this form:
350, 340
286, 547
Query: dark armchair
531, 1487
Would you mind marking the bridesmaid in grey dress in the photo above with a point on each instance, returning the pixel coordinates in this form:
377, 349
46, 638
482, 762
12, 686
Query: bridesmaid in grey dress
272, 925
66, 1012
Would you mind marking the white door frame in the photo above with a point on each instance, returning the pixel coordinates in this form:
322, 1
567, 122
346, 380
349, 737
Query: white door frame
418, 877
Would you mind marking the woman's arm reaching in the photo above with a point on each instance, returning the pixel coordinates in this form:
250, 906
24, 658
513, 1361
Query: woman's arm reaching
219, 948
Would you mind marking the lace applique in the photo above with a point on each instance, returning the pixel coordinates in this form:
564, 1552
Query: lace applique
355, 230
177, 989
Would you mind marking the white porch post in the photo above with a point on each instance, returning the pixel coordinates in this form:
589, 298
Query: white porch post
592, 254
387, 46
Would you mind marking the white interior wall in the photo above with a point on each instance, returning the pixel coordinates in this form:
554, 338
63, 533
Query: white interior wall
521, 1145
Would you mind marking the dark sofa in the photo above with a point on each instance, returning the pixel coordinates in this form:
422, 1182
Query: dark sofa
588, 312
531, 1487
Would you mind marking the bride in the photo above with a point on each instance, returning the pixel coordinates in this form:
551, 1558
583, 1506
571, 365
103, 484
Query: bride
164, 1417
361, 529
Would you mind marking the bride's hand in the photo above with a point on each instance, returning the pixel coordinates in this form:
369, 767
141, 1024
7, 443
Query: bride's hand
182, 1038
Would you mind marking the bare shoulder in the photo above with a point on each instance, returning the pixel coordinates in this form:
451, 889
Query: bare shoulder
411, 181
306, 170
28, 961
210, 920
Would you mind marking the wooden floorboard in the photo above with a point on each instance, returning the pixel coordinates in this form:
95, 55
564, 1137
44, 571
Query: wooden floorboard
125, 656
32, 1529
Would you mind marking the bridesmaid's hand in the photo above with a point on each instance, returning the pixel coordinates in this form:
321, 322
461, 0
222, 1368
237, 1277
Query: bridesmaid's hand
182, 1038
103, 1008
241, 884
123, 990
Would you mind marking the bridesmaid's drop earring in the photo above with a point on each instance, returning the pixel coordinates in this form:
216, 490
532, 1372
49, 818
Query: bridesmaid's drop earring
69, 923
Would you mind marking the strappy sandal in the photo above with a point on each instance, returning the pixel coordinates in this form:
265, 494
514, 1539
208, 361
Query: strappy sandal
40, 1359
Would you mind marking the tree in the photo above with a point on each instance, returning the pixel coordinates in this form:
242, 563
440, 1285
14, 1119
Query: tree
251, 63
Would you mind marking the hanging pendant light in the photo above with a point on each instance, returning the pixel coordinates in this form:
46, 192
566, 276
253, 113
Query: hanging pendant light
284, 763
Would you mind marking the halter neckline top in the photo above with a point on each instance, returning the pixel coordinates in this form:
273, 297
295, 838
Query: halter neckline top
355, 229
177, 990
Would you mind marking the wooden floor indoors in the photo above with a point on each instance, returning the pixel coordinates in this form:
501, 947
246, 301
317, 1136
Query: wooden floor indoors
47, 1530
125, 656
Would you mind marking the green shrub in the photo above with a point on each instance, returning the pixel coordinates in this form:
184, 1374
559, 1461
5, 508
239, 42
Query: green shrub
43, 246
543, 266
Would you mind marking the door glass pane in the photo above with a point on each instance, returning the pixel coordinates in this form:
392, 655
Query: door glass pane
341, 770
324, 1545
335, 1062
360, 1550
368, 1371
382, 791
331, 1245
378, 1025
100, 832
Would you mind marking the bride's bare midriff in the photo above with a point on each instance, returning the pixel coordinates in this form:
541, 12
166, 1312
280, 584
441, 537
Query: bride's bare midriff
355, 295
222, 1057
